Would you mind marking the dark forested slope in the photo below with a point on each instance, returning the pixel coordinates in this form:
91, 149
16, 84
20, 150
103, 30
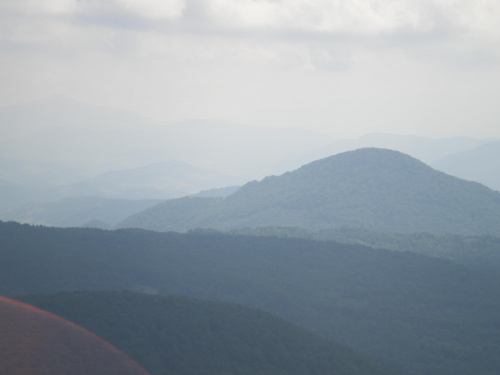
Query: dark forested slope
182, 336
34, 342
471, 250
372, 188
416, 314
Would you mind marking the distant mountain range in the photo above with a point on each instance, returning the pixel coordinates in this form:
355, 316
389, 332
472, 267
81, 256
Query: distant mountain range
59, 148
268, 244
34, 184
96, 140
156, 181
480, 164
75, 212
425, 149
376, 189
468, 158
96, 212
21, 194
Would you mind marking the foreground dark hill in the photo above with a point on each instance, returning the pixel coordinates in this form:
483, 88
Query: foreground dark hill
182, 336
415, 314
37, 343
376, 189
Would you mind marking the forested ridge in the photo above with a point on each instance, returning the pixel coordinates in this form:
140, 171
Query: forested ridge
182, 336
414, 314
376, 189
34, 342
471, 250
249, 187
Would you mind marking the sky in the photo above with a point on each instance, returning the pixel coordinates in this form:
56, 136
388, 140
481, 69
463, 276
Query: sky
342, 67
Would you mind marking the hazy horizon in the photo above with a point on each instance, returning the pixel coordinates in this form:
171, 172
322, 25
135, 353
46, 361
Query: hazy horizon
427, 68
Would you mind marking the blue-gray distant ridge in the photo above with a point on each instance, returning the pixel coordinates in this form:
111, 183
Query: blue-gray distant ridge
371, 188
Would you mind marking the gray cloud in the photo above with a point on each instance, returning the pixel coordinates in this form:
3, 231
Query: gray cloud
324, 28
356, 17
275, 62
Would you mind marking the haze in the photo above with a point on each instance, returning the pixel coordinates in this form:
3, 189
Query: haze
345, 68
331, 166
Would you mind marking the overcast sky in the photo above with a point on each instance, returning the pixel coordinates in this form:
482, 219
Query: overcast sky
346, 67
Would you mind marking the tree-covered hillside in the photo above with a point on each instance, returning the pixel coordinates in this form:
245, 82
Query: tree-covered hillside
371, 188
415, 314
34, 342
181, 336
480, 251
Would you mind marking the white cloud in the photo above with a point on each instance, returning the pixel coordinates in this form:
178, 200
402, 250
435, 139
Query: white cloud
354, 16
357, 17
34, 7
273, 18
155, 8
149, 9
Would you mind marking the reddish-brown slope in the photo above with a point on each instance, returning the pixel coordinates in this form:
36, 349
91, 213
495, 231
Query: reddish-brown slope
35, 342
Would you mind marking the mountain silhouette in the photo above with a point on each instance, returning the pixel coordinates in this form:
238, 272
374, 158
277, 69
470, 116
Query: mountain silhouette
480, 164
377, 189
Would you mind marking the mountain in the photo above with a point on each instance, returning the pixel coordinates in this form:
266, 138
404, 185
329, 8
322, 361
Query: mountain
179, 335
480, 164
217, 193
38, 343
376, 189
34, 187
58, 148
95, 140
414, 314
156, 181
59, 141
108, 198
425, 149
38, 174
74, 212
13, 194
